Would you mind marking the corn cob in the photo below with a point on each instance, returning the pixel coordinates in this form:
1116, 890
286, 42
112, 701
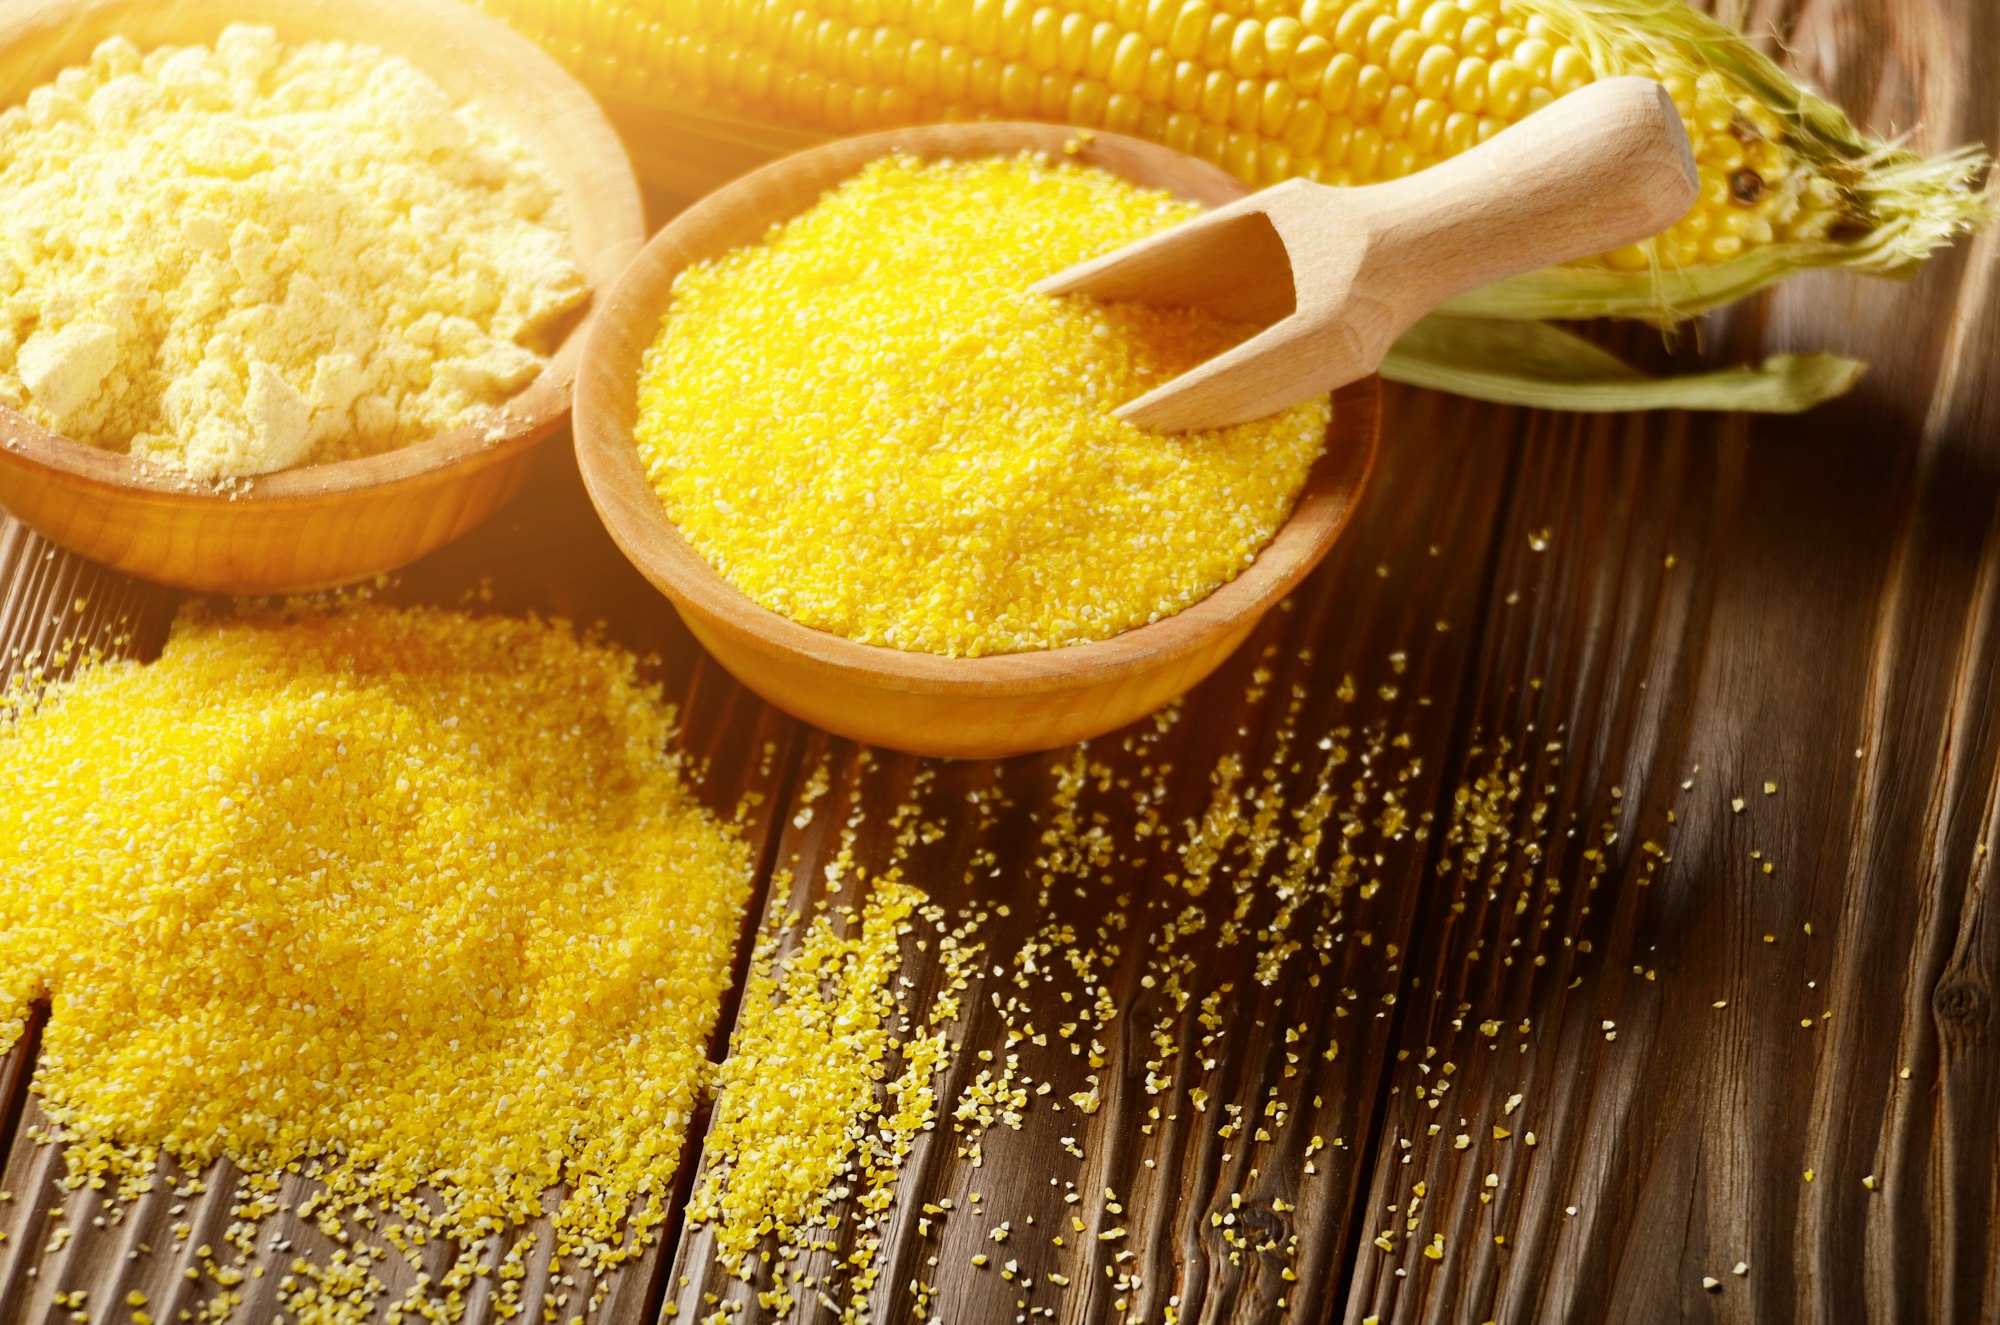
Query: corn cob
1343, 91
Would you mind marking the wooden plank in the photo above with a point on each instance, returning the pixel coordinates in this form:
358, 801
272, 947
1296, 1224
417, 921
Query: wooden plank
1836, 586
1062, 854
1710, 1084
545, 553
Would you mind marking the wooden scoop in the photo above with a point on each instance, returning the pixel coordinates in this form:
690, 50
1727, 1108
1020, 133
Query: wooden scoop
1335, 275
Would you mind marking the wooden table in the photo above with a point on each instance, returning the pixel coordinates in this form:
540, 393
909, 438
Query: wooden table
1667, 750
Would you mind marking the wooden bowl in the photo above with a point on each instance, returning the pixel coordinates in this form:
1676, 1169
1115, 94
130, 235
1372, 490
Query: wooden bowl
330, 524
925, 703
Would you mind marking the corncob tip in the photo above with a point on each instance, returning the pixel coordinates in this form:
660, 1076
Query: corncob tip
1922, 204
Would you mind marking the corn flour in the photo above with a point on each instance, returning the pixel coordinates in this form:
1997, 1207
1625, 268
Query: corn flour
239, 259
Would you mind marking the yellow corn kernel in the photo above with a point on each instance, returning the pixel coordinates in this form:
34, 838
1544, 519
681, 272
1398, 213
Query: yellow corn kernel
1394, 118
1339, 138
1336, 88
1128, 63
1305, 129
1320, 16
1461, 131
1239, 158
1433, 77
1073, 42
1476, 37
1104, 40
1016, 18
1218, 93
1190, 30
1184, 93
1275, 163
1506, 88
1217, 47
1045, 39
1246, 49
1020, 89
1350, 30
1246, 106
1282, 38
1382, 34
984, 84
1427, 119
982, 29
1365, 152
1635, 257
1309, 63
1569, 71
1537, 58
1122, 112
1371, 90
1052, 96
920, 67
1404, 53
1468, 88
1442, 21
1087, 100
1278, 103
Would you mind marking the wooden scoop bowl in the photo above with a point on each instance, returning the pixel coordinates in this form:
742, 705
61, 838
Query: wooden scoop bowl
924, 703
328, 524
1337, 275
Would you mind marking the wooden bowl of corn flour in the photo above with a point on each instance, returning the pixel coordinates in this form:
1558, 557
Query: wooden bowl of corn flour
982, 705
237, 453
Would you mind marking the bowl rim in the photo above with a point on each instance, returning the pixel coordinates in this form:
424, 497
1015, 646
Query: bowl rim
608, 454
471, 40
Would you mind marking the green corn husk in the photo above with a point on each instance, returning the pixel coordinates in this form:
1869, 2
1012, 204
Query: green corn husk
1534, 363
1901, 207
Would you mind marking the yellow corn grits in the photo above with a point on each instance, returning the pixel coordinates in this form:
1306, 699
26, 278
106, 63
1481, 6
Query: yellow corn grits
867, 423
416, 897
809, 1108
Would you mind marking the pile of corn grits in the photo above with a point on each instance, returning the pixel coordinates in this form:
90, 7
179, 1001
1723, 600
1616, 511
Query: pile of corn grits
416, 897
238, 259
868, 424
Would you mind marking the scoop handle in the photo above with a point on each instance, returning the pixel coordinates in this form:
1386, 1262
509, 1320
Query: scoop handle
1604, 167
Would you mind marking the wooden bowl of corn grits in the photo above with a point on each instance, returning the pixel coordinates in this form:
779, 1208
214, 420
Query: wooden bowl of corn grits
987, 706
336, 523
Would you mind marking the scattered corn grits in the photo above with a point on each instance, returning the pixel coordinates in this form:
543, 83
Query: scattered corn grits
239, 259
807, 1107
401, 897
868, 424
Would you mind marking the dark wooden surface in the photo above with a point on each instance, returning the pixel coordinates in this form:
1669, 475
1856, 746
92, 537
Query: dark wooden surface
1573, 644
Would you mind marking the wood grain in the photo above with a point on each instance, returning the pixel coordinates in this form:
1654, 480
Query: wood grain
1817, 1106
1427, 529
1834, 587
